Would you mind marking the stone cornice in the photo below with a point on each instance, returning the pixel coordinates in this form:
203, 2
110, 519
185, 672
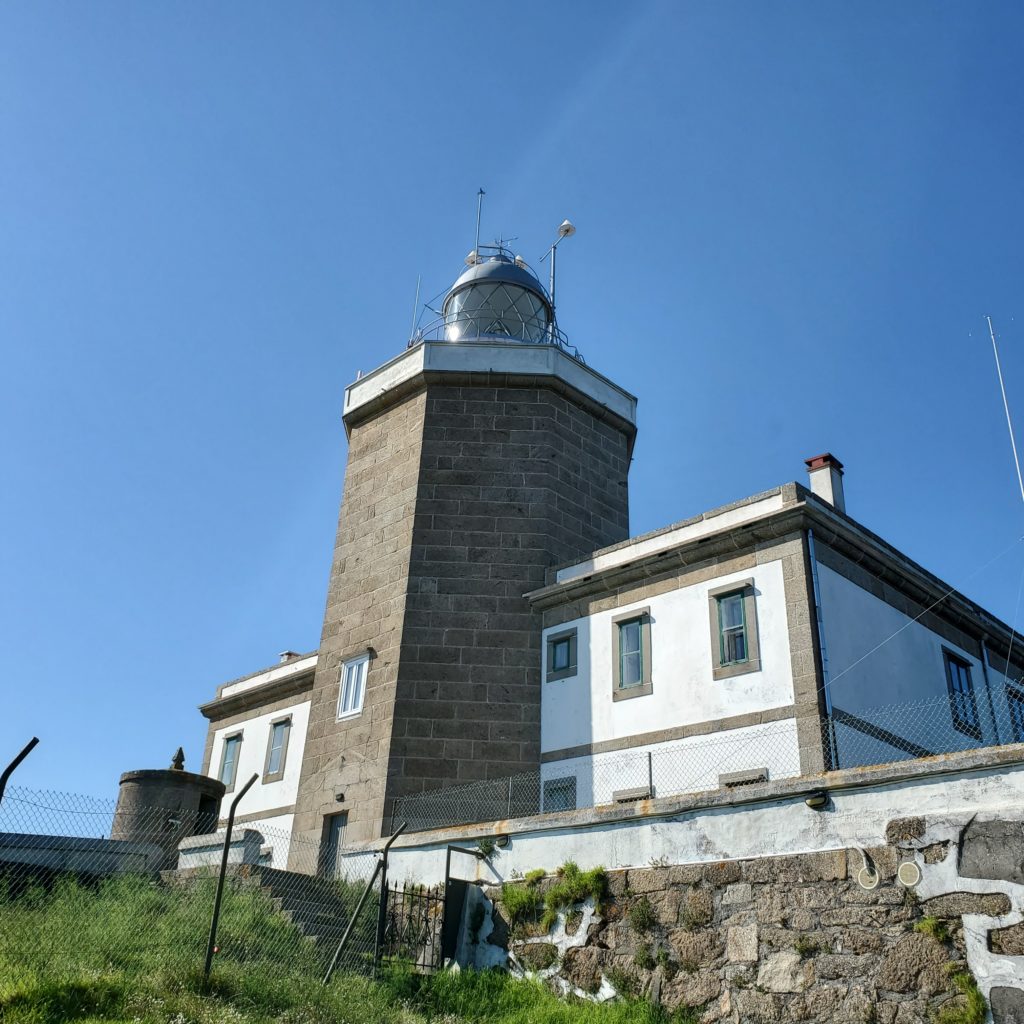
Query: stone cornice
490, 365
258, 696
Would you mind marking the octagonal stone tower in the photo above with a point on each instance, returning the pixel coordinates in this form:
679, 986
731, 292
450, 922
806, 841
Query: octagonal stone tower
480, 457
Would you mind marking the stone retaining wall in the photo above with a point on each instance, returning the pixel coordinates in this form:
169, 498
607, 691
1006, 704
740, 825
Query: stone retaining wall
800, 938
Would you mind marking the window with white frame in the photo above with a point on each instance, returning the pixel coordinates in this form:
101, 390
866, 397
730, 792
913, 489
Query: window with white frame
353, 686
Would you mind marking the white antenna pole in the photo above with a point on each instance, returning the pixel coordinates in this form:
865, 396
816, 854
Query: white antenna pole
1006, 405
479, 206
415, 307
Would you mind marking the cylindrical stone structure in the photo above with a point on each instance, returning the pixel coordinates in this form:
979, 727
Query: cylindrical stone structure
164, 806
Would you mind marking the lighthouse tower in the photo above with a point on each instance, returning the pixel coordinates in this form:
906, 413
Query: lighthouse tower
482, 456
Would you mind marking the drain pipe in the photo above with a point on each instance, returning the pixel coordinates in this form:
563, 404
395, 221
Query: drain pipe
820, 626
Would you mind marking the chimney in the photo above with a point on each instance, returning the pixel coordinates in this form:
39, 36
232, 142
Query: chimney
286, 656
825, 473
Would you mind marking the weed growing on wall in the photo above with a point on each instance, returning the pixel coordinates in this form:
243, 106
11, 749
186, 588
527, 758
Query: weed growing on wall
974, 1010
572, 886
641, 915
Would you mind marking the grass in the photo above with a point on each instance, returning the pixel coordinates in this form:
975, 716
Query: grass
572, 886
129, 951
973, 1010
933, 927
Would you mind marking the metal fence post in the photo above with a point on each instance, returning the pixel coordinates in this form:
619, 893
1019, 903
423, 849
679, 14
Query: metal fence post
220, 881
382, 906
9, 770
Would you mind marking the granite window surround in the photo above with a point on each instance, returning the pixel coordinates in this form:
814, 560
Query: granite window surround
963, 705
645, 685
720, 668
565, 640
229, 766
285, 721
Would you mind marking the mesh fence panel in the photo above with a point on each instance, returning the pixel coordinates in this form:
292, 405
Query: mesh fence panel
77, 895
848, 739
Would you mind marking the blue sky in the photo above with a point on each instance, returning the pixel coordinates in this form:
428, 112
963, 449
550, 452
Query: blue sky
792, 218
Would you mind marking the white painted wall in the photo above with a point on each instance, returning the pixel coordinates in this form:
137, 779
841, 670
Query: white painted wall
682, 766
255, 737
908, 668
580, 709
857, 819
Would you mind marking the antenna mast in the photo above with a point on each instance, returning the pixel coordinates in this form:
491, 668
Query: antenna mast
1006, 405
479, 206
415, 307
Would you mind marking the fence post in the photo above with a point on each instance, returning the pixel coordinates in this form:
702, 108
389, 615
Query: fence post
508, 813
8, 771
220, 881
382, 906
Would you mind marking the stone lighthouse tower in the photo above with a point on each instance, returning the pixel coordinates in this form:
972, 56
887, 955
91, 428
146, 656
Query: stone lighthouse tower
480, 457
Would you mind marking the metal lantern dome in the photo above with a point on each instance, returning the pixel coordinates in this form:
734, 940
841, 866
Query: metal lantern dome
497, 297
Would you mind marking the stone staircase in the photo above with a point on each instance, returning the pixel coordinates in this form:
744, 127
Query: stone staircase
320, 908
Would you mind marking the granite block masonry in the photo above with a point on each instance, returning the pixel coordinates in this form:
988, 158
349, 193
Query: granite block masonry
461, 490
797, 938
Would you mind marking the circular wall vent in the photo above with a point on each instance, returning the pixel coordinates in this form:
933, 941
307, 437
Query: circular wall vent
867, 879
909, 873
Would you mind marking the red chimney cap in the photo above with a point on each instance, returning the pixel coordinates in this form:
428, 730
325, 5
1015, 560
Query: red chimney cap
821, 461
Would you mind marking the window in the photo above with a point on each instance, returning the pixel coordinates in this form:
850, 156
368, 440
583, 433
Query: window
962, 705
561, 655
277, 749
631, 654
560, 794
353, 686
1015, 706
734, 648
229, 760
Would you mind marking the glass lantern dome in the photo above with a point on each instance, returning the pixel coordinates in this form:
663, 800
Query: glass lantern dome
497, 297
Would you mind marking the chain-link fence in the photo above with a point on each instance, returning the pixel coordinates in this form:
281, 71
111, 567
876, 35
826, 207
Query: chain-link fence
848, 738
80, 890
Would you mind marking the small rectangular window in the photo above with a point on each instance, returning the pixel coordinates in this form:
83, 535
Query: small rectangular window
229, 760
353, 686
1015, 706
732, 630
277, 749
734, 646
962, 705
631, 654
560, 794
561, 650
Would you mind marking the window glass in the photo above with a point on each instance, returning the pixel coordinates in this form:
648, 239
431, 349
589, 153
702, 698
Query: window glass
560, 654
277, 734
230, 760
560, 794
963, 706
353, 685
631, 658
732, 629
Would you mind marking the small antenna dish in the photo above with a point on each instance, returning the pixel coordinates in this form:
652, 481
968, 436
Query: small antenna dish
471, 257
566, 229
520, 262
